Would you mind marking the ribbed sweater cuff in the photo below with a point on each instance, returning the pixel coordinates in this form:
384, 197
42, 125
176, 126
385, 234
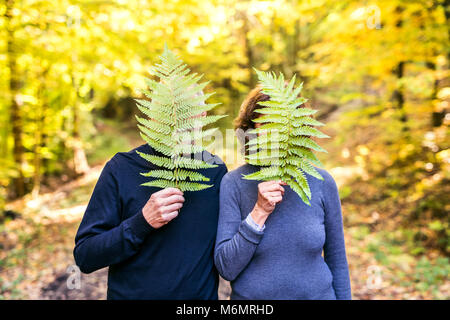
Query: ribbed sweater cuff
139, 226
249, 233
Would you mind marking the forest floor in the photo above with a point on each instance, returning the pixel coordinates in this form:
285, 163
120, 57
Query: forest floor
36, 245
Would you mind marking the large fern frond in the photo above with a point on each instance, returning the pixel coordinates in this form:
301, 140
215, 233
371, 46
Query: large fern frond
173, 124
283, 146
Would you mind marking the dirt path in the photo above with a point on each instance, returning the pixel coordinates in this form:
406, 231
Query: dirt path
93, 287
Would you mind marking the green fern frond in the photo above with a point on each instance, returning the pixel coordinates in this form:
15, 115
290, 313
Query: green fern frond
271, 147
273, 110
306, 142
158, 161
271, 138
266, 173
303, 112
306, 153
192, 186
287, 153
153, 125
259, 156
272, 118
305, 120
173, 126
167, 151
152, 114
195, 135
160, 183
195, 164
199, 122
181, 174
308, 131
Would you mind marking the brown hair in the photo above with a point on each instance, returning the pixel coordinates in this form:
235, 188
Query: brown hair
247, 114
247, 111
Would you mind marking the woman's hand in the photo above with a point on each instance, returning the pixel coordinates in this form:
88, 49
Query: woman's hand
269, 194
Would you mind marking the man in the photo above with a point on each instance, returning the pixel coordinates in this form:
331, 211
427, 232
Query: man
157, 243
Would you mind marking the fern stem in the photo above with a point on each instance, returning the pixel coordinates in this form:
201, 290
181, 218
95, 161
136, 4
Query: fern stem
174, 118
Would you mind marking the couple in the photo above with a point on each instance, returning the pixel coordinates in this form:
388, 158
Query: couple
258, 235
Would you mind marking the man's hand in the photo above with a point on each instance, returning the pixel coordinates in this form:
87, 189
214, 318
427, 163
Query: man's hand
163, 206
269, 194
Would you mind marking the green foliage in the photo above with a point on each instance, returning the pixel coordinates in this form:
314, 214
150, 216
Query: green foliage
429, 275
174, 125
10, 287
101, 144
283, 144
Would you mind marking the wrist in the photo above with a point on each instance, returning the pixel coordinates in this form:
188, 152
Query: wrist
138, 225
147, 219
259, 215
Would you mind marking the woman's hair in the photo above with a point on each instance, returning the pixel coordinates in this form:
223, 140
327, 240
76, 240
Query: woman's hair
247, 111
247, 114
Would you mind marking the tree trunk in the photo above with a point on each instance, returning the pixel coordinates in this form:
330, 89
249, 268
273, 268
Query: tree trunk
15, 103
39, 134
80, 163
398, 94
295, 46
446, 6
63, 149
248, 51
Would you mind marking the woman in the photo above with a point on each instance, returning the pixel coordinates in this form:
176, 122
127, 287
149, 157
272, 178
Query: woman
269, 242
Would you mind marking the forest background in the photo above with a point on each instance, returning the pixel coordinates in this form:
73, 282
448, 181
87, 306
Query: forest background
377, 71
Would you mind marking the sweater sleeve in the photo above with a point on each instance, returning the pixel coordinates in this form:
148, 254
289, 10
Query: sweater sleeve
103, 239
236, 240
334, 247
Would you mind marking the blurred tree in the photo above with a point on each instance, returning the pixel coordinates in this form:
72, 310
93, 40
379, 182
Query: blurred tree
14, 101
65, 63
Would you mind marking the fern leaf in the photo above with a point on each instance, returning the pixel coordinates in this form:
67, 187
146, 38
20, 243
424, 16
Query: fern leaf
285, 154
269, 137
267, 173
270, 161
161, 138
167, 151
305, 120
188, 163
153, 125
158, 161
161, 174
300, 112
275, 149
192, 186
160, 183
172, 109
272, 118
156, 115
305, 166
306, 142
298, 189
273, 110
194, 123
181, 174
305, 153
308, 131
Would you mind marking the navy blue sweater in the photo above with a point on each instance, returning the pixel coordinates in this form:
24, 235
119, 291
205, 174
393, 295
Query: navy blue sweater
172, 262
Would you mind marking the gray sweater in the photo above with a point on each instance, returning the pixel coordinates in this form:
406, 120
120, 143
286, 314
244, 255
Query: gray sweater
285, 260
